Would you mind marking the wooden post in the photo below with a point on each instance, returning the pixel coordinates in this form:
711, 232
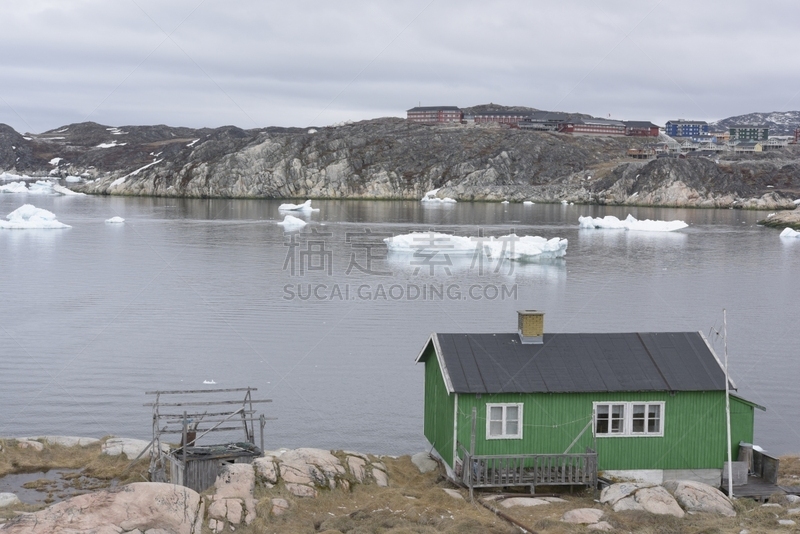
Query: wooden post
472, 451
262, 422
183, 445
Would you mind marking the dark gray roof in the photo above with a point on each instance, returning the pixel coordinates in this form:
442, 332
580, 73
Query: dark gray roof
639, 124
435, 108
682, 121
500, 363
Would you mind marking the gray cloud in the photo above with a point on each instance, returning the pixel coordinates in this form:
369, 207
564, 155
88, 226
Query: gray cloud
253, 63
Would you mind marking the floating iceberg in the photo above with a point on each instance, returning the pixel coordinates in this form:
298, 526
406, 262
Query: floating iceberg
7, 177
788, 232
210, 382
609, 222
14, 187
430, 196
305, 206
292, 223
504, 202
73, 179
115, 220
510, 246
29, 216
528, 203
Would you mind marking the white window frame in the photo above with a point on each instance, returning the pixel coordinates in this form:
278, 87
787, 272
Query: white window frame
504, 406
627, 421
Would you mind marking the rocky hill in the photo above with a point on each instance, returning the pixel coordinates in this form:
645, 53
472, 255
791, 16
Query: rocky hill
391, 158
779, 122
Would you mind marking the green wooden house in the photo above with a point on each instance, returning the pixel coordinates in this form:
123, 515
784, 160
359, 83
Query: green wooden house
644, 406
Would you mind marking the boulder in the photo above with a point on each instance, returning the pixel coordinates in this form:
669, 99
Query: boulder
380, 478
522, 501
312, 467
279, 506
582, 516
266, 470
24, 443
613, 493
235, 481
698, 497
657, 500
602, 526
554, 499
793, 499
424, 462
786, 522
453, 493
8, 499
301, 490
356, 466
179, 510
131, 448
67, 441
793, 511
627, 504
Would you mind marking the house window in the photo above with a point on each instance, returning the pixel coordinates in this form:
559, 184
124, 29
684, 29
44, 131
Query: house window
504, 421
629, 419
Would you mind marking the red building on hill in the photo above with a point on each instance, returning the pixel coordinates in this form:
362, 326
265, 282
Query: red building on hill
433, 114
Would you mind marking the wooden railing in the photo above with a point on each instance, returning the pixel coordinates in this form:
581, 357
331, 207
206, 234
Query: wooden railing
488, 471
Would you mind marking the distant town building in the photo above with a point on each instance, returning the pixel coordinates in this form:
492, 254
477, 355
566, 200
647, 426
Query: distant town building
434, 114
684, 128
641, 129
797, 135
502, 117
748, 132
592, 127
748, 146
546, 121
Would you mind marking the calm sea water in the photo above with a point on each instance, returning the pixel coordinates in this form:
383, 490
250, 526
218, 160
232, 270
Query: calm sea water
188, 291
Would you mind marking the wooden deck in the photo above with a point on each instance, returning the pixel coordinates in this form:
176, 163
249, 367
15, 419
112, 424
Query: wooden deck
760, 490
495, 471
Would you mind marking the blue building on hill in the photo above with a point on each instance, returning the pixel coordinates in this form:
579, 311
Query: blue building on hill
683, 128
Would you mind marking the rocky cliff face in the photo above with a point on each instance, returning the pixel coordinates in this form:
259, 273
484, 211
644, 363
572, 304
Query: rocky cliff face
392, 159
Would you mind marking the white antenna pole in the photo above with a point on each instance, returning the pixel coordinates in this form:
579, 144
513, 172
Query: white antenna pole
727, 402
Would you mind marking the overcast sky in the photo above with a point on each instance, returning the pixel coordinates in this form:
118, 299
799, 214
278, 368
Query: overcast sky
255, 63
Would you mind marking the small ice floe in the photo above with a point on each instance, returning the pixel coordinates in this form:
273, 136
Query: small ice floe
788, 232
58, 188
115, 220
209, 382
73, 179
7, 177
504, 202
14, 187
29, 217
41, 187
771, 215
528, 203
510, 246
525, 248
292, 223
305, 207
564, 202
609, 222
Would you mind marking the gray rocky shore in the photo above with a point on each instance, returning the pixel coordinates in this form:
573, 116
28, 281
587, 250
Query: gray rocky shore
390, 158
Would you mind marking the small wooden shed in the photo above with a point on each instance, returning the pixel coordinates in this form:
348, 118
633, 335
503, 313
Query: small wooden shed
646, 406
191, 463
